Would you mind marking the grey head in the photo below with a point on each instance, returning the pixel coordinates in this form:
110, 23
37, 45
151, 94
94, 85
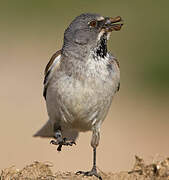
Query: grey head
88, 32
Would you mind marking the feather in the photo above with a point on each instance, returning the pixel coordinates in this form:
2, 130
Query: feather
52, 64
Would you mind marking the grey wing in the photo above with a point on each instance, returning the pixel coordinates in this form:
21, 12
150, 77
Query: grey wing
115, 63
50, 67
118, 65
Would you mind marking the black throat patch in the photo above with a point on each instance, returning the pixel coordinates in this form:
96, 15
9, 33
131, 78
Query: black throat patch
101, 49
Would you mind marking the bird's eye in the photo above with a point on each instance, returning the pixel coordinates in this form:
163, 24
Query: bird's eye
93, 23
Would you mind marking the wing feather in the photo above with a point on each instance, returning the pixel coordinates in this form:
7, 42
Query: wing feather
113, 60
52, 64
118, 64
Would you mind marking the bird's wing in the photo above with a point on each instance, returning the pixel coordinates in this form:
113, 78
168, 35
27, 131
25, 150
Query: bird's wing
50, 67
118, 65
115, 62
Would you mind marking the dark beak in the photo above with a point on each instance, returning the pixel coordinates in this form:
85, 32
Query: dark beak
113, 24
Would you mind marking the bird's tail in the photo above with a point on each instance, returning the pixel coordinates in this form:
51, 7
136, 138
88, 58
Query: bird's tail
45, 131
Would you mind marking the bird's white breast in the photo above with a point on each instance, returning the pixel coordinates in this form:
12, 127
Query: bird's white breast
82, 103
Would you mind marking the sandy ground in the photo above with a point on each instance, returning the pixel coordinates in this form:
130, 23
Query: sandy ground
41, 171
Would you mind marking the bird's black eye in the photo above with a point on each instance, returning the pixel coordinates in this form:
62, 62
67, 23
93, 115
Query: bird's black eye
92, 23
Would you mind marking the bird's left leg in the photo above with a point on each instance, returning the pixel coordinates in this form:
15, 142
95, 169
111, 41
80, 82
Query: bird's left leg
94, 144
64, 142
60, 140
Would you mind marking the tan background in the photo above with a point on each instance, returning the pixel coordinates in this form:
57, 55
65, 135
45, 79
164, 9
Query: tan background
138, 121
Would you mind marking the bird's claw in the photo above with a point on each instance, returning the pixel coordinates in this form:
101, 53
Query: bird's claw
93, 172
61, 143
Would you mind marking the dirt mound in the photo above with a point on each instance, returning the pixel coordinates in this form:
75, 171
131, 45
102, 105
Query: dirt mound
37, 170
41, 171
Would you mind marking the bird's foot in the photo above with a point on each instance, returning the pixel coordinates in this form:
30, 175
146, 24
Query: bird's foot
93, 172
62, 142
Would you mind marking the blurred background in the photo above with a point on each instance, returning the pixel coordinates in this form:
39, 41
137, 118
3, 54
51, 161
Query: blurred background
138, 121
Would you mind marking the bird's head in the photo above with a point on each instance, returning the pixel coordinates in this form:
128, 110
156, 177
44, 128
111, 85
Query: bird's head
88, 31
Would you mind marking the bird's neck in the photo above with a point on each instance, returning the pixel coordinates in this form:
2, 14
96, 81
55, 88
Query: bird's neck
75, 51
78, 58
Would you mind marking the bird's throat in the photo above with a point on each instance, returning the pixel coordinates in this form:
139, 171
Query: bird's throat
101, 49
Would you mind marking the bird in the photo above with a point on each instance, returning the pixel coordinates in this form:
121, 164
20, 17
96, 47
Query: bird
80, 82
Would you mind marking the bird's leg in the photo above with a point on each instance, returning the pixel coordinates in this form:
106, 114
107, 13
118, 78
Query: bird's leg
93, 171
94, 143
60, 141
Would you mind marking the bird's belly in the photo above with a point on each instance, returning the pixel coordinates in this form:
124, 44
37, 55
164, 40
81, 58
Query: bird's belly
78, 105
79, 112
83, 109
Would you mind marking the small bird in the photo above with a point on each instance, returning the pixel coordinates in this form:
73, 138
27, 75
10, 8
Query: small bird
80, 82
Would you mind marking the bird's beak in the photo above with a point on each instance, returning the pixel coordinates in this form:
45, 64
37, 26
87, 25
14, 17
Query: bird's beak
112, 24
